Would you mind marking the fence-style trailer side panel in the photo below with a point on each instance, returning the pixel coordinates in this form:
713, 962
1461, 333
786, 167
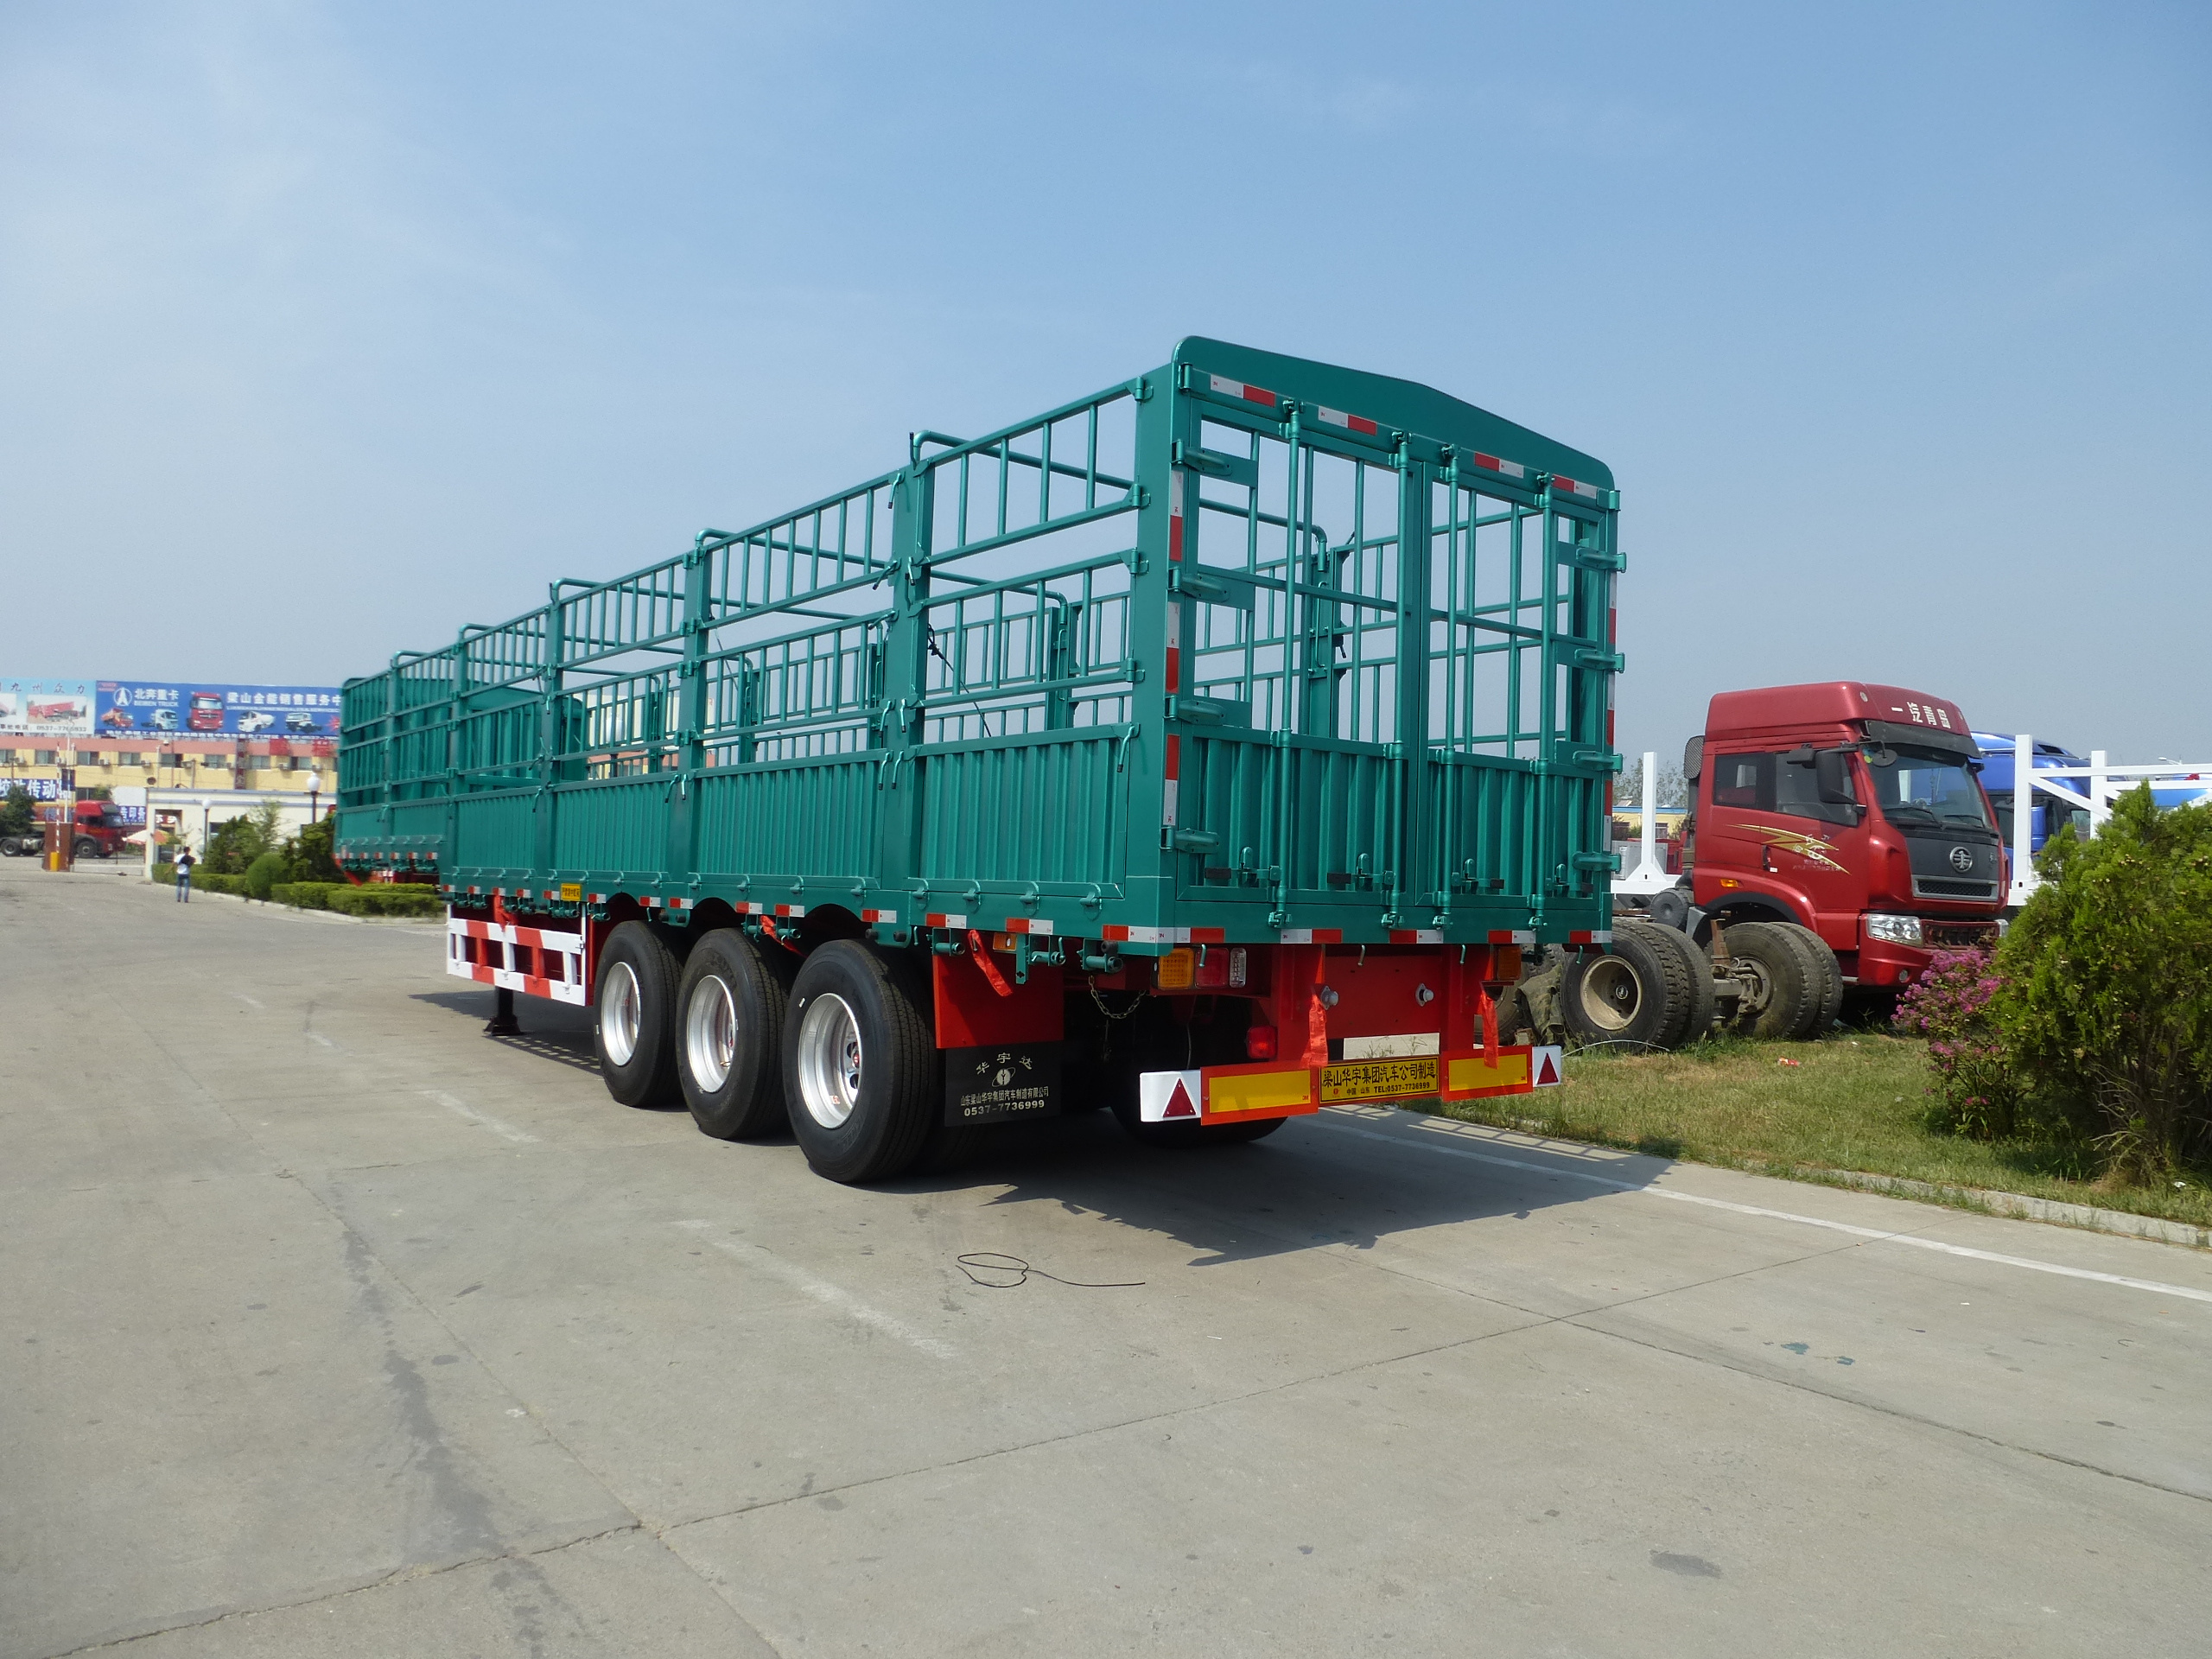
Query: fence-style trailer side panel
1247, 652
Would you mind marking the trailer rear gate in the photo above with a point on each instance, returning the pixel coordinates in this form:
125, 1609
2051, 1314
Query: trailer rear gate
1248, 651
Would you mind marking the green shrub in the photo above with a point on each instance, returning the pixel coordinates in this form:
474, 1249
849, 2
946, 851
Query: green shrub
264, 873
305, 895
387, 898
217, 882
2106, 1000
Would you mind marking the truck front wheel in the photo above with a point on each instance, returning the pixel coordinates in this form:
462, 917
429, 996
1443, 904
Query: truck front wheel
1781, 990
729, 1051
635, 1030
860, 1069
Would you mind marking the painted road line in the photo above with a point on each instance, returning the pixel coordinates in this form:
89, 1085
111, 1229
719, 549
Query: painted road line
1874, 1233
483, 1120
821, 1290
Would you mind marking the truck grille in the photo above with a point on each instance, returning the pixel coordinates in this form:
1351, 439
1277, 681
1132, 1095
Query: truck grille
1928, 887
1958, 935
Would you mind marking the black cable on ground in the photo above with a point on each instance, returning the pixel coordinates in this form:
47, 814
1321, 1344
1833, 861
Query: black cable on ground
976, 1263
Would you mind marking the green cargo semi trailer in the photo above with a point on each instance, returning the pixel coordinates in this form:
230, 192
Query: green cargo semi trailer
1213, 748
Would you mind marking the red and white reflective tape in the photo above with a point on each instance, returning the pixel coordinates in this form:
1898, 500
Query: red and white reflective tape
1035, 926
1204, 935
1416, 936
1591, 936
595, 898
1492, 464
679, 903
501, 941
1350, 422
1312, 936
1116, 933
1172, 765
1513, 936
935, 920
1174, 672
1175, 514
472, 891
749, 909
1228, 388
886, 918
1588, 491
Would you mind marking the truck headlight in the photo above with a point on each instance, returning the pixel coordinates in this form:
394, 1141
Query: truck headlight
1896, 930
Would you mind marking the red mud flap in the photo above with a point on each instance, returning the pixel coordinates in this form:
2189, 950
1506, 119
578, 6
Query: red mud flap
1225, 1094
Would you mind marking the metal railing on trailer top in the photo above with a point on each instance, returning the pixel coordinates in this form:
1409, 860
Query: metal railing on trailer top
1280, 656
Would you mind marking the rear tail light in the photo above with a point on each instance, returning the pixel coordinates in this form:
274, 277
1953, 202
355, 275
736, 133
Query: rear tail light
1259, 1042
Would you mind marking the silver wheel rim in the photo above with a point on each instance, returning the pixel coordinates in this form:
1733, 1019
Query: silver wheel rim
1611, 994
710, 1033
829, 1061
621, 1009
1758, 988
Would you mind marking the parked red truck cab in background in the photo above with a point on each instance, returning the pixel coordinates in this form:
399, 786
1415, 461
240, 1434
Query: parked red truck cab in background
1851, 809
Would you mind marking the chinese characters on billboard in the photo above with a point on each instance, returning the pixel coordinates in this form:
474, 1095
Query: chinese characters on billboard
46, 707
196, 708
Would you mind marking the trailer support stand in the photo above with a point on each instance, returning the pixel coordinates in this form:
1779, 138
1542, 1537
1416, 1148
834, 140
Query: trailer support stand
504, 1023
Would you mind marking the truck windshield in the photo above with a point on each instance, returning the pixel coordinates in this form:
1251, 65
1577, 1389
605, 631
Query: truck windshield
1927, 787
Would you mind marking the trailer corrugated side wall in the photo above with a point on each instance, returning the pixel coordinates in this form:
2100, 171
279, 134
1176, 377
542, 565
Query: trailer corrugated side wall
1248, 647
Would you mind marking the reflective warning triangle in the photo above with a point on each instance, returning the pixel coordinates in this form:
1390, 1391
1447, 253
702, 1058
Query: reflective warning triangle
1546, 1068
1178, 1103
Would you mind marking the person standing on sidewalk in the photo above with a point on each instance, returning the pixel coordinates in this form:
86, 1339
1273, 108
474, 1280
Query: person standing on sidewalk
184, 862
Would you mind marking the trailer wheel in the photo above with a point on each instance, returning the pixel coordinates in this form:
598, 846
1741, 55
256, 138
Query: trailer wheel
634, 1032
1782, 990
1830, 975
1640, 993
1698, 1025
729, 1047
860, 1069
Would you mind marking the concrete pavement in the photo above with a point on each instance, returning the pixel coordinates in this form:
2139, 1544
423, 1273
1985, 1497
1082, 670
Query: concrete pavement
334, 1327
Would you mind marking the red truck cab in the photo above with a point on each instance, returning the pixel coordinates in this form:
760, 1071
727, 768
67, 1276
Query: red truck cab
1854, 810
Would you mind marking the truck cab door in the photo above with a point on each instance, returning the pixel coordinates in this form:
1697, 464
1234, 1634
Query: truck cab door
1765, 829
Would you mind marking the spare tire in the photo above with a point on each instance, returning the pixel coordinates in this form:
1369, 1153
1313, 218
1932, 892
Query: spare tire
1782, 989
1638, 994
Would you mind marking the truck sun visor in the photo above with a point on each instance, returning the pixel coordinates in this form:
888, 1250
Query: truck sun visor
1924, 737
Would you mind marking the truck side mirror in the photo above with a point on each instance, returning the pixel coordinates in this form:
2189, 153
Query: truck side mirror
1832, 779
1692, 759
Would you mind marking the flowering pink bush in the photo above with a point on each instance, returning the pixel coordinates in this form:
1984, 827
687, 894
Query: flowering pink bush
1975, 1079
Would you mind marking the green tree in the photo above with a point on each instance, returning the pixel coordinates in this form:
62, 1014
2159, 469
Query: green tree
308, 854
2106, 999
17, 817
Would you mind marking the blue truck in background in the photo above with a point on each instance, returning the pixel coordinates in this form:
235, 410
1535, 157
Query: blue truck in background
1999, 760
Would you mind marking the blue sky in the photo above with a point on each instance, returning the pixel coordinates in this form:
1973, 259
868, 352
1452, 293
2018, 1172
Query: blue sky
324, 329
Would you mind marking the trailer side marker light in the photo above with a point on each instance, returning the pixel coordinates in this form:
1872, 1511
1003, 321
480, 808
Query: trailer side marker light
1259, 1042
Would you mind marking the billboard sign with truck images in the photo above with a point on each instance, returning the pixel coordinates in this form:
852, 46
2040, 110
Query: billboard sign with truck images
197, 708
46, 707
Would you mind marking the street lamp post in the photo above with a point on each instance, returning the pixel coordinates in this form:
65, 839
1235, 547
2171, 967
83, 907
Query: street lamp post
315, 787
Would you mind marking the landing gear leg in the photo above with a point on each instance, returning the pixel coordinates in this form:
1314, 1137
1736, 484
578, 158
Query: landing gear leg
504, 1023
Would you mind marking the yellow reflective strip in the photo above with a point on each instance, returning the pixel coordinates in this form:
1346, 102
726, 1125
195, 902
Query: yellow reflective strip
1508, 1071
1258, 1091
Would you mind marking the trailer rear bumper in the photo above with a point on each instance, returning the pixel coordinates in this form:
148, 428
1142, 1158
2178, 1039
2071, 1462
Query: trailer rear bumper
536, 960
1238, 1094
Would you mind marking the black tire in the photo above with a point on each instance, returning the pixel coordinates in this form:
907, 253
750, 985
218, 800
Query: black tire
729, 1035
83, 850
1782, 990
635, 1040
1189, 1137
1698, 1024
1638, 993
860, 1072
1831, 976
